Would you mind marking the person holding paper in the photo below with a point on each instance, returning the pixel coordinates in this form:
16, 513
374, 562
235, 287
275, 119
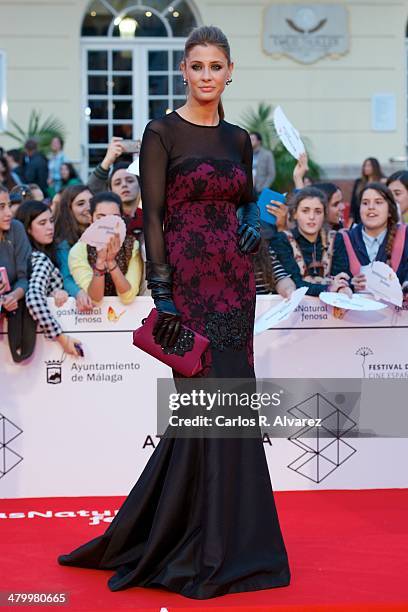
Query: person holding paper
45, 278
314, 256
379, 236
113, 270
335, 203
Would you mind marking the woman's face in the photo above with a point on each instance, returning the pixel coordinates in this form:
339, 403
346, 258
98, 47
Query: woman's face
374, 210
206, 71
400, 193
80, 208
64, 172
5, 212
56, 145
310, 216
336, 208
103, 209
125, 185
368, 168
42, 228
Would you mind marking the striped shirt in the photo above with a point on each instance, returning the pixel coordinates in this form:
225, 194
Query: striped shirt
278, 273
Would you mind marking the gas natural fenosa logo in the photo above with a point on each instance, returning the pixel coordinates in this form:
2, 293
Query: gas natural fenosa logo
113, 317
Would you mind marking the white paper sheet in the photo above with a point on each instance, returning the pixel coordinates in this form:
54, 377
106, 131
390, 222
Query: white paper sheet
134, 167
287, 133
280, 312
99, 232
357, 302
383, 283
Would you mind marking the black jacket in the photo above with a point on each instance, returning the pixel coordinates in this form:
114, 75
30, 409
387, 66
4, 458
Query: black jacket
36, 171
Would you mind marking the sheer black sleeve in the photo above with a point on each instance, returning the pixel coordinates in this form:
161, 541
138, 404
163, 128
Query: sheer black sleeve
248, 194
153, 172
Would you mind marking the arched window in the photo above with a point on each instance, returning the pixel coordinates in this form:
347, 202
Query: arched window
131, 51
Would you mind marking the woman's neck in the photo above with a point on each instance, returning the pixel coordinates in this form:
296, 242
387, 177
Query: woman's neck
310, 237
202, 114
374, 232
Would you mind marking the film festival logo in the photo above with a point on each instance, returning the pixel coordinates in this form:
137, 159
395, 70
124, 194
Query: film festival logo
9, 458
324, 449
364, 352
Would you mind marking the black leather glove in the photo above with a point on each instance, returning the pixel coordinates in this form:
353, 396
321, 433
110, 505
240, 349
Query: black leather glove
168, 324
249, 230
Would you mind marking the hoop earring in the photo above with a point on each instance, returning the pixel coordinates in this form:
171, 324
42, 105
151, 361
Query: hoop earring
228, 82
184, 82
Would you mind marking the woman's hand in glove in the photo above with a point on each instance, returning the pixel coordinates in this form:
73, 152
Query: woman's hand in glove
250, 238
249, 229
168, 325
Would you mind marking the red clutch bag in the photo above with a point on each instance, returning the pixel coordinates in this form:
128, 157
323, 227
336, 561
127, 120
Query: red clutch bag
184, 357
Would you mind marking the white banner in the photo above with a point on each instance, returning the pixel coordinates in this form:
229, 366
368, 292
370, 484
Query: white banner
86, 426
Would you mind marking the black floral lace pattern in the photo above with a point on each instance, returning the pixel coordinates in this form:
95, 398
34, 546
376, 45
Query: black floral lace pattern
213, 282
228, 329
184, 344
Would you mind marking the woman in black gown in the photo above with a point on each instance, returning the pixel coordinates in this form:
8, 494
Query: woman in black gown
201, 520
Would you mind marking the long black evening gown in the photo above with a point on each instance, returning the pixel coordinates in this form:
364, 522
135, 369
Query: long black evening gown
201, 520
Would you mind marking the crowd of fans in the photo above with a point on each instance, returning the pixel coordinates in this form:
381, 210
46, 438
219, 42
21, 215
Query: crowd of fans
311, 244
45, 208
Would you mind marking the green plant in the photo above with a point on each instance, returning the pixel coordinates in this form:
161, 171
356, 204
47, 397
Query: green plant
43, 131
260, 120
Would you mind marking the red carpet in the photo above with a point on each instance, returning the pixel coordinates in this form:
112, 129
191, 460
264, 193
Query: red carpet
348, 551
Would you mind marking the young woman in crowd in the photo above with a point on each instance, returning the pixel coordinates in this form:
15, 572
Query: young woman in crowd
398, 184
15, 252
6, 179
73, 218
69, 176
45, 278
270, 276
370, 172
114, 270
335, 204
379, 236
313, 256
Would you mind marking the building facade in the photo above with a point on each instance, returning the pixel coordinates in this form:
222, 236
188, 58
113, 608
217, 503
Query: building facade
105, 67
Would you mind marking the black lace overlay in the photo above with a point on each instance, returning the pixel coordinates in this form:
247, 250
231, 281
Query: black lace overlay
228, 330
184, 344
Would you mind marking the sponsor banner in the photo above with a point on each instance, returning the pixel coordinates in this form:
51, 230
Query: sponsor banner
87, 426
